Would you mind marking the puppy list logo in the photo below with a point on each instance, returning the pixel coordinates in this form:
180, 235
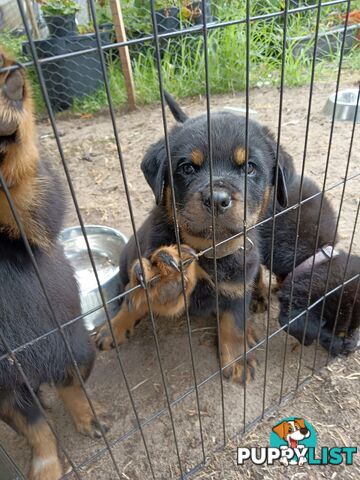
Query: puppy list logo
293, 442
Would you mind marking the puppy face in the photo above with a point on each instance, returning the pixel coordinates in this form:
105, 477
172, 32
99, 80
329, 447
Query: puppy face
292, 431
190, 159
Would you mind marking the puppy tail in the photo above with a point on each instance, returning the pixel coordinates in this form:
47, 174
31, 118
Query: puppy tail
179, 114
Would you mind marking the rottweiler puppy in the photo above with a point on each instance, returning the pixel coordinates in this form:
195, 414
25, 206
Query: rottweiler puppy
189, 151
24, 312
345, 339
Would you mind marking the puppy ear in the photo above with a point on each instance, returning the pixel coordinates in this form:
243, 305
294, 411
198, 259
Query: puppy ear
281, 193
300, 422
285, 167
154, 166
280, 430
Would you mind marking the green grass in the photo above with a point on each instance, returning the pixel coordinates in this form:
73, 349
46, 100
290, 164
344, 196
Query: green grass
183, 57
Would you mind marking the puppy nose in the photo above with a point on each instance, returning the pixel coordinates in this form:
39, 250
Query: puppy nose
304, 431
222, 201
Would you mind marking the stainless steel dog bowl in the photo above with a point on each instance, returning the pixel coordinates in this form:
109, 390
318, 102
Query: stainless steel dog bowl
106, 245
345, 105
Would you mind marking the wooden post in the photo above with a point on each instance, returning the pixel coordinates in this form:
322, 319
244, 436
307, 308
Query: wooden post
30, 12
124, 52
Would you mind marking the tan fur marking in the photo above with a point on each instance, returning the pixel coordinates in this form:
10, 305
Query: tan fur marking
168, 204
76, 403
45, 463
240, 156
260, 293
234, 289
19, 169
197, 157
232, 346
265, 203
27, 197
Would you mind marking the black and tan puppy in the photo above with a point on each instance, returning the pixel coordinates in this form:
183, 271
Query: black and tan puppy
24, 312
190, 164
348, 321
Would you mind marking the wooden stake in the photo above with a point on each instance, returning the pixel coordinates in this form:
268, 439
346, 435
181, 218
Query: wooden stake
30, 12
124, 52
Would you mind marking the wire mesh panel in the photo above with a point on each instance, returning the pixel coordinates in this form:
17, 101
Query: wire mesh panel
185, 383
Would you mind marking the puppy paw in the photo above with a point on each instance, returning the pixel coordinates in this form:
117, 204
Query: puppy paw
163, 278
259, 303
340, 344
45, 468
121, 328
86, 423
351, 342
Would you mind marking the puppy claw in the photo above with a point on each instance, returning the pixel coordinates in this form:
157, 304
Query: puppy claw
92, 427
189, 251
95, 430
168, 260
129, 303
103, 339
139, 275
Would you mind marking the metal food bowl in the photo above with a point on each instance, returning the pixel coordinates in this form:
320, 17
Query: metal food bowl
345, 105
106, 245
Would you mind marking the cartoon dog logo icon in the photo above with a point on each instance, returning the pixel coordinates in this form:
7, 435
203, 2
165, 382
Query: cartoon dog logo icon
293, 432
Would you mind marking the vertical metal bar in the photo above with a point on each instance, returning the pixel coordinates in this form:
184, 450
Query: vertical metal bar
72, 191
136, 238
247, 105
322, 199
337, 222
213, 224
4, 340
175, 218
274, 203
312, 79
38, 274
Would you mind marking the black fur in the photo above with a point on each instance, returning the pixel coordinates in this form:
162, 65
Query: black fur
228, 133
346, 334
285, 227
345, 339
24, 312
227, 130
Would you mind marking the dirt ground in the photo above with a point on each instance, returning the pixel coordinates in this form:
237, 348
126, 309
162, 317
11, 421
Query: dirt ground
329, 401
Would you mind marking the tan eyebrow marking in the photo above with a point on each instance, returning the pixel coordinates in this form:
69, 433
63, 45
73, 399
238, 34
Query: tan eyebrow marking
239, 156
197, 157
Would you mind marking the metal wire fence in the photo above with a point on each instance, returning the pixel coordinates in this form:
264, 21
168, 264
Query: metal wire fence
169, 420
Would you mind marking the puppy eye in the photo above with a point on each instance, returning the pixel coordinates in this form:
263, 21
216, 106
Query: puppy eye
187, 168
251, 168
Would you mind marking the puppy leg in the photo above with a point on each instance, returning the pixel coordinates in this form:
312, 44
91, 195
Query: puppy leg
24, 416
259, 300
163, 277
75, 401
233, 342
297, 328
